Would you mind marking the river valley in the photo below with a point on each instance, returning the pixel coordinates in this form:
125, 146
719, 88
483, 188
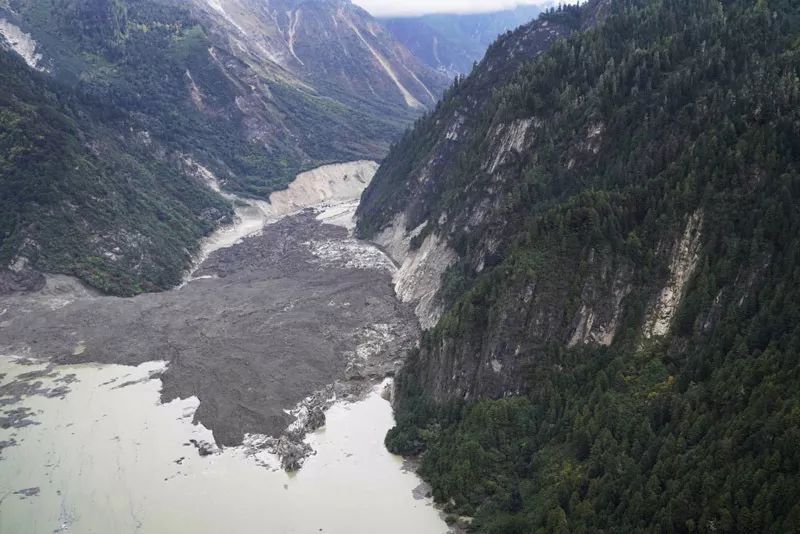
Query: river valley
177, 411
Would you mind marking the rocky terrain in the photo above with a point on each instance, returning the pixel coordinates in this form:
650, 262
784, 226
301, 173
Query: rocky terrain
267, 331
401, 211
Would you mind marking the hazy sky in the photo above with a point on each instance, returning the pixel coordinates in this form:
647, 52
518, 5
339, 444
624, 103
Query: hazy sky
381, 8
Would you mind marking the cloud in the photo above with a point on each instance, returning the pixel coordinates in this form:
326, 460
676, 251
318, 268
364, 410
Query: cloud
385, 8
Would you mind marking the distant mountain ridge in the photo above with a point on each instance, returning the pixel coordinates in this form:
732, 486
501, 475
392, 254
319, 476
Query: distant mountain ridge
452, 43
145, 96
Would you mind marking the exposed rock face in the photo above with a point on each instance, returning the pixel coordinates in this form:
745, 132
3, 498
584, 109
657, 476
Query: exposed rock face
419, 274
322, 46
419, 278
395, 239
511, 140
404, 214
685, 254
21, 43
415, 190
533, 316
401, 212
598, 318
329, 183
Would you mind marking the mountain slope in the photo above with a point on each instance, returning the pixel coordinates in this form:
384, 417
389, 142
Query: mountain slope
328, 47
452, 43
252, 92
77, 196
614, 339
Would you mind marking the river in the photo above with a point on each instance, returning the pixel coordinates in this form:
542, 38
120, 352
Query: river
270, 315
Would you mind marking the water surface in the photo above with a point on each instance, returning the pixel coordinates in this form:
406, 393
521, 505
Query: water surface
106, 456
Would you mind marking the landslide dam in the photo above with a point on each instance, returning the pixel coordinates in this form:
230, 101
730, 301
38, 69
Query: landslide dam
138, 413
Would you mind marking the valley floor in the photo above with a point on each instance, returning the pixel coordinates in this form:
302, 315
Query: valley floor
296, 309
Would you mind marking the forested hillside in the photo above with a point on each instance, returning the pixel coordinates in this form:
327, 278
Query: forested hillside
80, 197
619, 348
124, 107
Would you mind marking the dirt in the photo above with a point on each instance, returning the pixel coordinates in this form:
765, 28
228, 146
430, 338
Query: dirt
264, 325
20, 281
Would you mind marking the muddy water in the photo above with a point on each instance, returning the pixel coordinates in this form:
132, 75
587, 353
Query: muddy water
106, 456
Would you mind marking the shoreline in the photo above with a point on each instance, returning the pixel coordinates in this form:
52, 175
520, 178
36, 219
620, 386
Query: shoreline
159, 453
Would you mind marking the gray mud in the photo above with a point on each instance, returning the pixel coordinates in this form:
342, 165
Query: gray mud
21, 280
267, 324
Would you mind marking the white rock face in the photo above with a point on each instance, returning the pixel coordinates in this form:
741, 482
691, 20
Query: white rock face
512, 138
685, 255
339, 182
419, 277
594, 137
194, 92
596, 327
394, 239
221, 9
582, 333
205, 175
589, 331
454, 130
21, 43
386, 66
